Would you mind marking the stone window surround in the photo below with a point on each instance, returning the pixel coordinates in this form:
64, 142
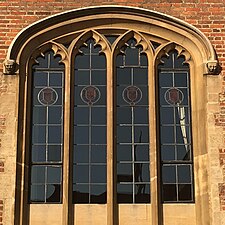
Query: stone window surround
51, 32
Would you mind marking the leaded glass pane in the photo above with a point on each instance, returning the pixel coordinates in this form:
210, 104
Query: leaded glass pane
132, 132
175, 129
89, 155
47, 129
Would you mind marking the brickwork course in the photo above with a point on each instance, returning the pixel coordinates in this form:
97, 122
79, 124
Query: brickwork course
207, 15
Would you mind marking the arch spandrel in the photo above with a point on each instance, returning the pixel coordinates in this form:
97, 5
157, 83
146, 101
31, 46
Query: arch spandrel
112, 17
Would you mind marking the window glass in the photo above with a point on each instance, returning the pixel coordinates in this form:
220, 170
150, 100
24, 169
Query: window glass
175, 130
89, 161
47, 129
132, 133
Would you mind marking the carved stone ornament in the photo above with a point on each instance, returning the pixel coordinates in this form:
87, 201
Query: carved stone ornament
9, 67
213, 67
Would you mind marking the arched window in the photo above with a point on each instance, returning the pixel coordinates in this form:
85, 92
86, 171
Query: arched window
112, 117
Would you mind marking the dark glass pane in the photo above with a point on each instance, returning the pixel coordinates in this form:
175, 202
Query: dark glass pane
123, 76
124, 134
98, 174
124, 152
168, 62
162, 100
55, 115
55, 79
123, 115
98, 62
81, 115
124, 193
53, 175
141, 172
124, 172
37, 193
39, 115
167, 134
40, 79
167, 115
142, 193
82, 62
119, 60
166, 79
182, 134
82, 77
98, 135
81, 154
179, 61
169, 174
169, 192
54, 61
98, 154
141, 134
144, 98
54, 153
183, 152
141, 152
185, 95
59, 93
54, 134
39, 134
80, 174
141, 115
53, 193
98, 194
132, 56
81, 135
98, 115
38, 174
111, 39
80, 193
184, 174
98, 77
140, 76
77, 98
38, 153
168, 152
181, 79
102, 99
180, 116
144, 60
185, 192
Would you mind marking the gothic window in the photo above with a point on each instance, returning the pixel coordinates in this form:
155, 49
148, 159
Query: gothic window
112, 117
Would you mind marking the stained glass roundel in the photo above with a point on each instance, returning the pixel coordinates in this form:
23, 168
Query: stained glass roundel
90, 94
132, 95
174, 96
47, 96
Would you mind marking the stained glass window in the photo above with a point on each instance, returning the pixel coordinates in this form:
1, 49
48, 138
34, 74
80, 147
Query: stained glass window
133, 176
175, 129
89, 163
47, 129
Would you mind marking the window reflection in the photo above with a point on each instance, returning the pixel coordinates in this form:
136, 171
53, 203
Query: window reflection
132, 133
89, 155
47, 129
175, 130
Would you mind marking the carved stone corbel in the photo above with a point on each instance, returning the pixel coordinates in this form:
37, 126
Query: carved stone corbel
213, 67
9, 67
